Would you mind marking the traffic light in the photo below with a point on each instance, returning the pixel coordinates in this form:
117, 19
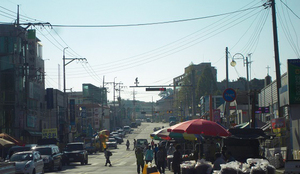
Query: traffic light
155, 89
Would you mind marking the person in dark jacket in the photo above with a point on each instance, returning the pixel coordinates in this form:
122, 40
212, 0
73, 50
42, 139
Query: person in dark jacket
177, 159
161, 159
139, 159
107, 155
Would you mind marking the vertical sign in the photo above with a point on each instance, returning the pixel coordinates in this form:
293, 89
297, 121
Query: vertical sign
72, 111
49, 98
83, 116
96, 118
217, 115
31, 52
294, 80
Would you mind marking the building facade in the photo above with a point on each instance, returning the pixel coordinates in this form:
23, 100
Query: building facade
22, 105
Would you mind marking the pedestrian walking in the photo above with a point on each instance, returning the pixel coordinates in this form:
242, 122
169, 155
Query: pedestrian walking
161, 159
177, 158
134, 144
127, 144
170, 151
107, 155
139, 159
152, 144
149, 155
155, 150
219, 160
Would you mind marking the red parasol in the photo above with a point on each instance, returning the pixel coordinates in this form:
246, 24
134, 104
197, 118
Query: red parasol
199, 126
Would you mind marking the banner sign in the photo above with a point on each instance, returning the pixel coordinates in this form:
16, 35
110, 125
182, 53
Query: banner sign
294, 80
278, 123
49, 133
72, 111
216, 115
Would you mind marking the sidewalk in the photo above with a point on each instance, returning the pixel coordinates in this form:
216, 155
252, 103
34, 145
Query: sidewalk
278, 171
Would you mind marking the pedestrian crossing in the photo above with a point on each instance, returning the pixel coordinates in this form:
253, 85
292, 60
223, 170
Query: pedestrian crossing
122, 163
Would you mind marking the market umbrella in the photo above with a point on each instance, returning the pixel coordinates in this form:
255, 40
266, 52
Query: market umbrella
163, 134
4, 142
199, 126
11, 139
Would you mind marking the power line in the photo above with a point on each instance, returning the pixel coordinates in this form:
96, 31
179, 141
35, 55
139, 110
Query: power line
289, 9
153, 23
148, 59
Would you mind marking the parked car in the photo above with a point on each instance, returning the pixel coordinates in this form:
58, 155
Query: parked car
156, 129
111, 143
28, 162
133, 125
51, 156
120, 131
75, 152
118, 139
15, 149
138, 122
141, 143
90, 145
172, 123
114, 133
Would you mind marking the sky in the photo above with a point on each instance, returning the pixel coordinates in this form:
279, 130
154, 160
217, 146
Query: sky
117, 51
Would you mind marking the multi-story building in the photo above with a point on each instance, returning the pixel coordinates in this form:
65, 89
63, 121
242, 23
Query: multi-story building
22, 106
193, 72
91, 112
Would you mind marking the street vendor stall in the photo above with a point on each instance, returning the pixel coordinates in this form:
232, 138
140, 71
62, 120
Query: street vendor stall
245, 143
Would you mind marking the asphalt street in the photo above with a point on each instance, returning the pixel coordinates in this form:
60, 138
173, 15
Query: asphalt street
123, 161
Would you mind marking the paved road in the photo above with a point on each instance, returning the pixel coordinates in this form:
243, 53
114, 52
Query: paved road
123, 161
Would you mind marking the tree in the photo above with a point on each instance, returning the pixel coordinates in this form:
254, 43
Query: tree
206, 83
184, 96
164, 94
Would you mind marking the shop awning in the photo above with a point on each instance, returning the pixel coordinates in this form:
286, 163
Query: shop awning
33, 133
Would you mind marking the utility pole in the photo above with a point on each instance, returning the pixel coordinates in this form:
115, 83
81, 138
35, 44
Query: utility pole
102, 103
65, 98
227, 114
193, 94
248, 96
134, 114
114, 100
276, 51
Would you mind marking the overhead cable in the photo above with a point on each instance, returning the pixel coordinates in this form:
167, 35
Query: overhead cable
154, 23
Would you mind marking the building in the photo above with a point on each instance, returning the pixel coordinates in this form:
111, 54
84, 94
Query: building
189, 79
204, 106
89, 112
164, 108
56, 114
22, 105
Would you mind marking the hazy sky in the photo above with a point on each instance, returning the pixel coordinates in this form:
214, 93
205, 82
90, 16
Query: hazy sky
159, 52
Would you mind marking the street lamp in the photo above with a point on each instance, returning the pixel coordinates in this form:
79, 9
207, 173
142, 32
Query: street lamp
245, 61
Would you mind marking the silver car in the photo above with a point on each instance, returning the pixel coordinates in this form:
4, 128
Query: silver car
111, 143
28, 162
